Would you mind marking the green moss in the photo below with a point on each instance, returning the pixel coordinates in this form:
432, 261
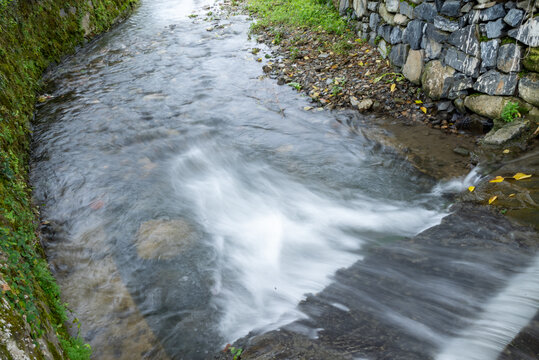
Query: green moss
33, 35
531, 59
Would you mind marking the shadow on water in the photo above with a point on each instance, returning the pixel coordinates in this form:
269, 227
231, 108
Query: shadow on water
189, 202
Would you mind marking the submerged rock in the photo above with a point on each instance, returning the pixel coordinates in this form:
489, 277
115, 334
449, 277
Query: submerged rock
163, 239
507, 133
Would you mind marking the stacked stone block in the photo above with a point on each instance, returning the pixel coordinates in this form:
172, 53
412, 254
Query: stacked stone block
456, 48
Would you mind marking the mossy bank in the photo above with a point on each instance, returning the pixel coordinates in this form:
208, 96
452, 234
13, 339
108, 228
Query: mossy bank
34, 34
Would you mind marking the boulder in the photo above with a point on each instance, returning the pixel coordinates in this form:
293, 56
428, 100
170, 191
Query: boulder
425, 11
413, 34
414, 66
495, 83
436, 79
450, 8
509, 58
387, 16
527, 33
491, 106
466, 40
392, 5
507, 133
514, 17
163, 239
495, 29
528, 88
360, 7
458, 60
406, 10
489, 54
444, 24
399, 54
493, 13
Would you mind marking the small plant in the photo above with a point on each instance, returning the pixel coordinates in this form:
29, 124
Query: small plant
391, 77
236, 352
510, 112
294, 53
335, 90
295, 85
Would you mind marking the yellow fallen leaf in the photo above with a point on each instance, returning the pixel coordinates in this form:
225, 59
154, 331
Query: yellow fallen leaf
424, 109
511, 195
393, 87
367, 50
360, 63
497, 179
471, 188
520, 176
492, 199
506, 151
419, 102
306, 58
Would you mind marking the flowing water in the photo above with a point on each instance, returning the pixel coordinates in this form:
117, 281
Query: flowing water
189, 201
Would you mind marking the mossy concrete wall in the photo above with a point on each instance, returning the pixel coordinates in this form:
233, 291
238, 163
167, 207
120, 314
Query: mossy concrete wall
34, 34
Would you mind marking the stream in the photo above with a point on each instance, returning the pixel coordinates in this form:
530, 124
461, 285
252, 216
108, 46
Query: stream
189, 201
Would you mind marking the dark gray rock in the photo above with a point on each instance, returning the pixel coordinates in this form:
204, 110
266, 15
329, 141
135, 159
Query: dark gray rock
343, 5
527, 33
413, 33
406, 9
384, 31
372, 5
396, 36
433, 49
510, 5
460, 83
473, 17
495, 29
493, 13
458, 60
466, 8
439, 4
374, 20
372, 38
425, 11
495, 83
466, 40
514, 17
450, 8
444, 24
489, 54
399, 54
509, 58
435, 34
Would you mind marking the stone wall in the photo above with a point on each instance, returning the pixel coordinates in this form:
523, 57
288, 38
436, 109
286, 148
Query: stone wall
455, 49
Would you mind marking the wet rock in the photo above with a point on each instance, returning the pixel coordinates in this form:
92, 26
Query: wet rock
475, 124
399, 54
365, 105
444, 24
414, 66
528, 33
488, 106
436, 79
450, 8
392, 5
374, 20
495, 29
531, 59
493, 13
459, 104
507, 133
461, 151
425, 11
413, 34
163, 239
466, 40
528, 88
458, 60
387, 16
406, 10
509, 58
489, 54
514, 17
495, 83
360, 7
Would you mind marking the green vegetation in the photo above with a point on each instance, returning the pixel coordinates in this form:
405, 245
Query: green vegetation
316, 14
34, 35
510, 112
236, 352
295, 85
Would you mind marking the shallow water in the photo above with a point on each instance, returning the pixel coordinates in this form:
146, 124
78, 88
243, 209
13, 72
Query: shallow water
167, 128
